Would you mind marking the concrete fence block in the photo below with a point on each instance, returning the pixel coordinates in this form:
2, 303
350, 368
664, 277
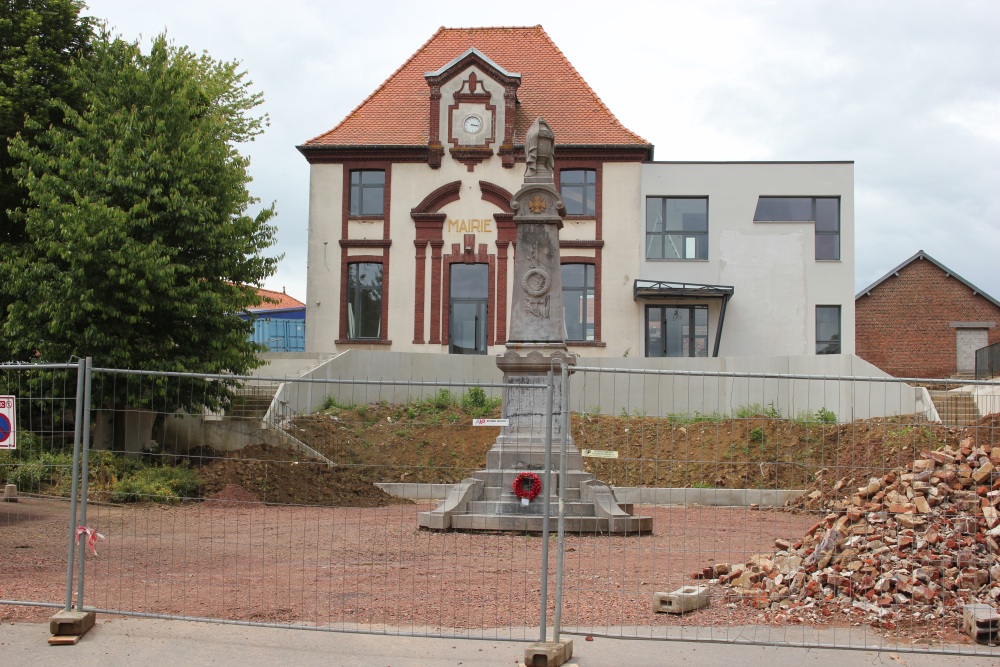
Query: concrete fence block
681, 601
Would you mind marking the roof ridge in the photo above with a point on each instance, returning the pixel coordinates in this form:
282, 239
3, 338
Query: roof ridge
381, 85
495, 27
588, 86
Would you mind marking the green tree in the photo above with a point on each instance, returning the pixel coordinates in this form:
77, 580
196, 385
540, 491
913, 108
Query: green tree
141, 250
39, 39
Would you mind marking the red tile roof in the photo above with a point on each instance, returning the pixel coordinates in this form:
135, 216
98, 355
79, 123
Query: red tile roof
281, 301
396, 114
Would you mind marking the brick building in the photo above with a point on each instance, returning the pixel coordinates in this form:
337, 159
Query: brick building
924, 320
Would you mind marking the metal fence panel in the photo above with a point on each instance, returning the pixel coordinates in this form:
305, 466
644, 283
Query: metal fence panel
217, 503
782, 518
37, 480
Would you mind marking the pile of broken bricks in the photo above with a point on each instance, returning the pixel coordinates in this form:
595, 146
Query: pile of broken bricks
908, 549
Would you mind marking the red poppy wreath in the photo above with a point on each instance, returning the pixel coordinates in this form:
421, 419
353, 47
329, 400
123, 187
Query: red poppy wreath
527, 486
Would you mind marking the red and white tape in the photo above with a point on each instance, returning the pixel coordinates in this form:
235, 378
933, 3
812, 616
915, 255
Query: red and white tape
92, 537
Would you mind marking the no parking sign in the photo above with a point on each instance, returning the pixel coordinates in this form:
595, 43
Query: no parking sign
8, 439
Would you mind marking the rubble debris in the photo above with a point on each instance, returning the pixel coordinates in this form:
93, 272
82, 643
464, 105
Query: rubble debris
921, 543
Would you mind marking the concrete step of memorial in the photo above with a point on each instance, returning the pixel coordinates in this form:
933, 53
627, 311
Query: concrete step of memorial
955, 408
497, 492
536, 507
535, 523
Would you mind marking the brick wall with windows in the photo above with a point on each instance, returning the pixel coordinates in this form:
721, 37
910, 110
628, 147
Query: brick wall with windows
904, 324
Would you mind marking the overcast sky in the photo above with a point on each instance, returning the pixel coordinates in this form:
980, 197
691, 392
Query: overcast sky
909, 90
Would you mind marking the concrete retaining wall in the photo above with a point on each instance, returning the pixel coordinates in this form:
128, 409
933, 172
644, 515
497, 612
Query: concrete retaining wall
688, 391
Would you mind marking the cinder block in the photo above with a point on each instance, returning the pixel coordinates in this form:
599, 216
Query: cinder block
72, 622
548, 654
10, 493
981, 622
681, 601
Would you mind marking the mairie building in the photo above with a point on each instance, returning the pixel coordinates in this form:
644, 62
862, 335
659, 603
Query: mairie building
412, 239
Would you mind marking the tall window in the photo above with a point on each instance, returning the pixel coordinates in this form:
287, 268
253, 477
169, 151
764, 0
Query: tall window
827, 329
579, 191
823, 211
677, 228
677, 331
364, 300
469, 303
578, 300
367, 192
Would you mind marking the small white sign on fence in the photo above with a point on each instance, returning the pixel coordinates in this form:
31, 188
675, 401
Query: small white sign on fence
491, 422
599, 453
8, 423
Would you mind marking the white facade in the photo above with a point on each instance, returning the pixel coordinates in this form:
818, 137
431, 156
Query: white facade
777, 282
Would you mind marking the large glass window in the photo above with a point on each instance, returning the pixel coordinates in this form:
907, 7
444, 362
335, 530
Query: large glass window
468, 324
367, 192
578, 300
579, 191
677, 228
823, 211
364, 300
677, 331
827, 329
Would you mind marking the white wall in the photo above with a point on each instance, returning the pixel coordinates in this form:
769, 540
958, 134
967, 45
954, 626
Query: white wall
777, 281
844, 384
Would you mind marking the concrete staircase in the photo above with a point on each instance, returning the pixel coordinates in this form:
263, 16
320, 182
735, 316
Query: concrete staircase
251, 403
956, 408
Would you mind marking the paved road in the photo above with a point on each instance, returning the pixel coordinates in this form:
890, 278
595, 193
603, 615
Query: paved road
136, 642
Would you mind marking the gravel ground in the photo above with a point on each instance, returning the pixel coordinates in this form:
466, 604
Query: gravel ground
372, 568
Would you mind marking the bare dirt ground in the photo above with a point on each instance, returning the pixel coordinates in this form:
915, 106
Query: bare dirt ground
369, 566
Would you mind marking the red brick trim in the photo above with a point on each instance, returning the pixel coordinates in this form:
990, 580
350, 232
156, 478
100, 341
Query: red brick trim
363, 341
435, 151
343, 154
439, 197
497, 195
365, 243
470, 156
418, 291
566, 152
436, 245
581, 244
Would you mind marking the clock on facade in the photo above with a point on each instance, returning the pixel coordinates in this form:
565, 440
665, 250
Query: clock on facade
472, 124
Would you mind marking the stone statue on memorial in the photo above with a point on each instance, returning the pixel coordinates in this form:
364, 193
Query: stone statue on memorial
539, 148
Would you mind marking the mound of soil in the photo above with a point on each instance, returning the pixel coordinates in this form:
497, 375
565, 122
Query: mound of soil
269, 474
